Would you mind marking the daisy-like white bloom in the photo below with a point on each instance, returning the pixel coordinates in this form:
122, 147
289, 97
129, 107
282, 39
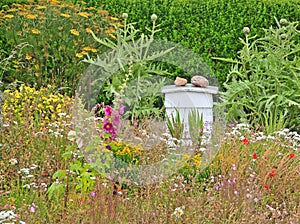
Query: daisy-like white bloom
13, 161
178, 212
72, 136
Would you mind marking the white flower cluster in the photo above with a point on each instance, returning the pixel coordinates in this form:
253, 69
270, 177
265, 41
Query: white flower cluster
7, 217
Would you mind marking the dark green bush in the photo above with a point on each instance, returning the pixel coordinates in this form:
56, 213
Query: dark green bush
210, 28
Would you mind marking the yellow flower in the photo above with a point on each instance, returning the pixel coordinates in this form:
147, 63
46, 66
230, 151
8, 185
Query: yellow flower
110, 30
41, 7
81, 54
60, 28
88, 30
31, 16
21, 13
105, 12
12, 10
84, 14
74, 32
35, 31
113, 18
28, 57
89, 49
65, 15
8, 16
112, 36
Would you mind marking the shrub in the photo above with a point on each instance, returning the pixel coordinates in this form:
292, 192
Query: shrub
58, 35
209, 28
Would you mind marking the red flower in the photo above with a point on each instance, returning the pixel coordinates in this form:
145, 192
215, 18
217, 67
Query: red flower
267, 187
292, 155
245, 141
272, 173
254, 156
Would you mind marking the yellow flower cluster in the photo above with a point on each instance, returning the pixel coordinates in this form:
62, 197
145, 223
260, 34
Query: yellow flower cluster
29, 105
127, 152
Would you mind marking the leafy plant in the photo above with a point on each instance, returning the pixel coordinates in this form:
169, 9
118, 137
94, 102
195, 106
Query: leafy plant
134, 54
175, 125
263, 86
195, 120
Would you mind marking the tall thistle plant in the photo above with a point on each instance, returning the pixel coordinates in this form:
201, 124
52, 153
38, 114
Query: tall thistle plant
129, 69
263, 86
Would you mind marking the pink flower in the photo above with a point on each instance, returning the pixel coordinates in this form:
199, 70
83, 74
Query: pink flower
116, 120
93, 194
108, 110
32, 208
108, 127
121, 110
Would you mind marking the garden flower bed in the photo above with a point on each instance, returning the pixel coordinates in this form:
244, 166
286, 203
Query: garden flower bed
54, 169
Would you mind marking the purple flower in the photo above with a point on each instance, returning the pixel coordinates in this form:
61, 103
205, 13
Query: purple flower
93, 193
108, 147
108, 127
108, 110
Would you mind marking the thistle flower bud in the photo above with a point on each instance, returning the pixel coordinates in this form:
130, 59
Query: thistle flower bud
124, 15
283, 37
154, 17
283, 22
246, 30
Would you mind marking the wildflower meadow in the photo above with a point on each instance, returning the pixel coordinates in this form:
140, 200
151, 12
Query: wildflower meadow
84, 135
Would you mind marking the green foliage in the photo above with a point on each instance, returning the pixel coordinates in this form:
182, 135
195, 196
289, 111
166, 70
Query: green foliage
195, 120
175, 125
210, 28
263, 86
136, 80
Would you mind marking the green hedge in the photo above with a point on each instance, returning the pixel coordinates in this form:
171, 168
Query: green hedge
211, 28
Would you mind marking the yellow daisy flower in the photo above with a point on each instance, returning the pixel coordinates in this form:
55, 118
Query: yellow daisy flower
8, 16
65, 15
88, 30
35, 31
74, 32
84, 14
31, 16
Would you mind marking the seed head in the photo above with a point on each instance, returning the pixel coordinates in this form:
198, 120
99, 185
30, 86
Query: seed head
283, 22
246, 30
283, 37
124, 15
154, 17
